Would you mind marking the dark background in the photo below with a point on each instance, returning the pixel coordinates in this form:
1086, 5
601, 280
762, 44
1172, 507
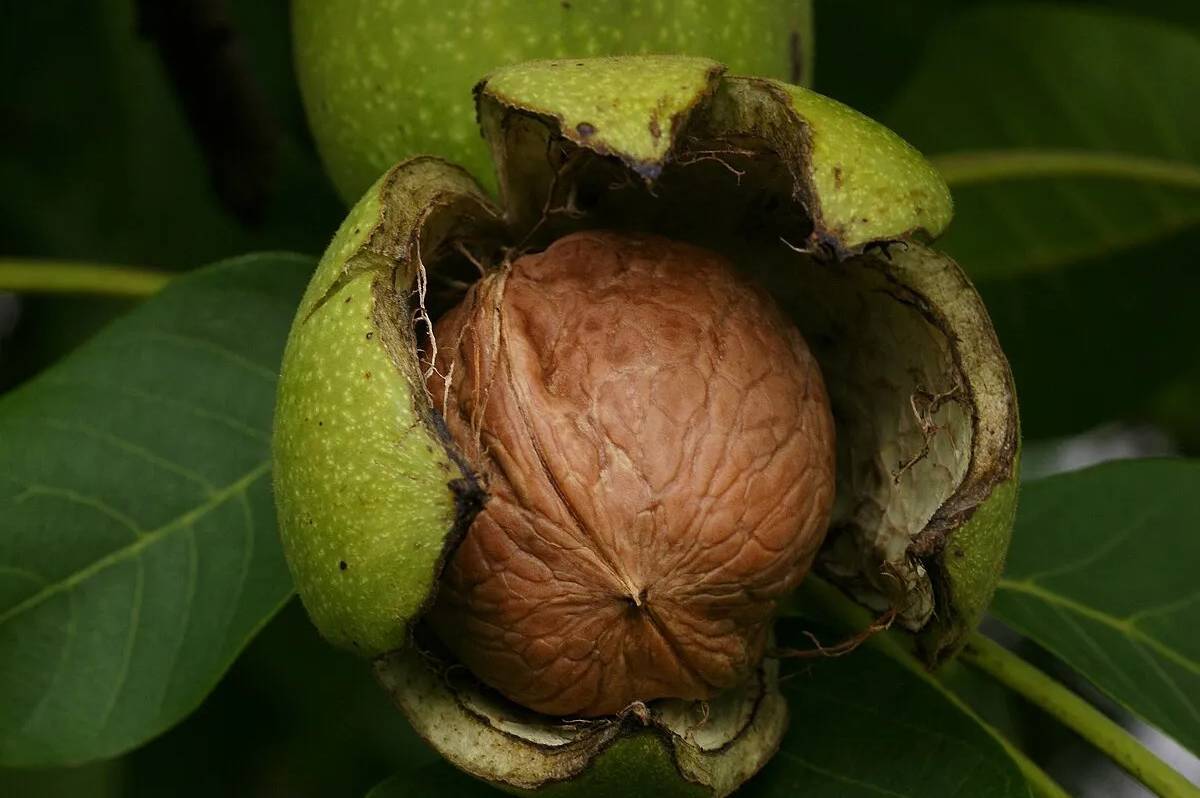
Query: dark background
170, 135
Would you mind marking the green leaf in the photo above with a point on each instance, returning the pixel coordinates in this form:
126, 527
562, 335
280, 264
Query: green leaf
998, 706
1073, 153
865, 60
294, 716
1102, 573
138, 552
1091, 341
1064, 133
864, 724
437, 779
861, 725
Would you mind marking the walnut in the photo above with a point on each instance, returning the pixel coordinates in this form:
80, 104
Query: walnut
658, 449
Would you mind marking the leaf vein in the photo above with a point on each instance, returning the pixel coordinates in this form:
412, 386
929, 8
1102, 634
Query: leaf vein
214, 501
203, 344
186, 621
1155, 645
1095, 554
170, 401
866, 709
1183, 698
33, 489
135, 614
23, 572
247, 556
804, 763
1162, 609
1102, 656
129, 447
68, 638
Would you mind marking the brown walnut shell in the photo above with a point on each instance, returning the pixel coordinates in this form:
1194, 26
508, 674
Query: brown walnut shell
658, 449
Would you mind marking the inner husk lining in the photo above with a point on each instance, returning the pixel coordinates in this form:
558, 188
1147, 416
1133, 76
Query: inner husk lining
901, 405
719, 744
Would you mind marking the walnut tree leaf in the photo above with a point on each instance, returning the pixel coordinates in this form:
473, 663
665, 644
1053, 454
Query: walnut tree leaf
1071, 143
1064, 133
138, 551
1102, 574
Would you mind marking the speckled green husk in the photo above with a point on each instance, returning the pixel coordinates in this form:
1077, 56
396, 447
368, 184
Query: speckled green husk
366, 490
642, 758
384, 80
372, 497
971, 567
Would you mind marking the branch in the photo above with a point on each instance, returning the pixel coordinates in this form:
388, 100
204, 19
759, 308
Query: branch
1076, 714
63, 277
986, 166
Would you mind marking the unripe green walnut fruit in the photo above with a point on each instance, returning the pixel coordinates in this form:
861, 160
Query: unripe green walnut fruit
384, 477
384, 80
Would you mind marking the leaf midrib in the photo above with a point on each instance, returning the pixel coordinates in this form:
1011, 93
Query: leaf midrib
1125, 626
212, 502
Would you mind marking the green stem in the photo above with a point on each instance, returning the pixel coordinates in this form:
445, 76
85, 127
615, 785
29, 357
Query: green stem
63, 277
834, 604
985, 166
1077, 714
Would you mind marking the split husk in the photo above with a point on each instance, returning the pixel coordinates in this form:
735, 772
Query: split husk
829, 211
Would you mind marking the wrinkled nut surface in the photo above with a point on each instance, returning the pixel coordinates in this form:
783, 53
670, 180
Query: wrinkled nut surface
658, 448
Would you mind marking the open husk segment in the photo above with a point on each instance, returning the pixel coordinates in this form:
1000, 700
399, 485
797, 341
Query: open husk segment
859, 181
369, 495
829, 210
668, 747
823, 207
